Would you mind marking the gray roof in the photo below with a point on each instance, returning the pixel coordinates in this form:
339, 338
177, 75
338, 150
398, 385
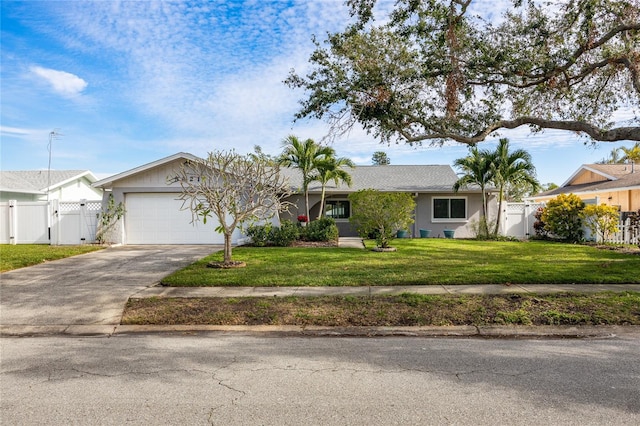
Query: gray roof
35, 181
389, 178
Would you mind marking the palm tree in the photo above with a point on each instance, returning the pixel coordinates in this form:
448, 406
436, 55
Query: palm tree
331, 168
304, 156
631, 154
511, 168
476, 170
614, 157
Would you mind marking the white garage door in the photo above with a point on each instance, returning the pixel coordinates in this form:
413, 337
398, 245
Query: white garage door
156, 218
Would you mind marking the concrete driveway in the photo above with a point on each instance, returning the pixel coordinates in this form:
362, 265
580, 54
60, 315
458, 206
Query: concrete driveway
89, 289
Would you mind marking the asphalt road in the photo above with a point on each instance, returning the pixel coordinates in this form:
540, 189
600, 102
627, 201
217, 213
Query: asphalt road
212, 378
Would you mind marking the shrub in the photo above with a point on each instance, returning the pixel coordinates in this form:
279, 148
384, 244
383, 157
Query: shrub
381, 213
287, 233
601, 220
562, 217
269, 235
260, 234
323, 229
539, 225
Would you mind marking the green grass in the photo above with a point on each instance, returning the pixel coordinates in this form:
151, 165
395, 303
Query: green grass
418, 262
605, 308
21, 255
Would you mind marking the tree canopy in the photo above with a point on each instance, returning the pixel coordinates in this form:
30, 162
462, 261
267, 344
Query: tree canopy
380, 158
233, 188
436, 70
331, 168
381, 214
305, 156
501, 169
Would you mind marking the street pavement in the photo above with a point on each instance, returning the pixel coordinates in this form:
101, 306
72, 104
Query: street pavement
199, 378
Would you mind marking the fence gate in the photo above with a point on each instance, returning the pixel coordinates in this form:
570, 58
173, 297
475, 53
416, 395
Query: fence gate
518, 219
34, 222
74, 222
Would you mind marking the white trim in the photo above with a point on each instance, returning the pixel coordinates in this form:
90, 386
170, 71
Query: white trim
592, 191
110, 180
450, 220
90, 177
591, 169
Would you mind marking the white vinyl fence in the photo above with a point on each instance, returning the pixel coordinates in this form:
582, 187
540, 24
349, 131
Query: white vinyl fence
626, 234
518, 219
55, 222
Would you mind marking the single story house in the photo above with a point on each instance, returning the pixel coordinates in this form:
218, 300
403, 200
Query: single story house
40, 185
154, 214
438, 207
612, 184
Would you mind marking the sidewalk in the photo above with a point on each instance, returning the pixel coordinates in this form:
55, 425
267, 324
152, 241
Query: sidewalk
309, 331
186, 292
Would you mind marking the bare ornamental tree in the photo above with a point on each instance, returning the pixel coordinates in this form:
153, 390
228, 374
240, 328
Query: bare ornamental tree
234, 189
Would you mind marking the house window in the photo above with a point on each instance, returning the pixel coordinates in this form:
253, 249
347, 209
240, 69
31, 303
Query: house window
450, 208
338, 209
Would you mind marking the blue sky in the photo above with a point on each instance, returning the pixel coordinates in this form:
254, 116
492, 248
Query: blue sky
130, 82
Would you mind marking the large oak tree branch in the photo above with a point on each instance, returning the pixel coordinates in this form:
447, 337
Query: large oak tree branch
596, 133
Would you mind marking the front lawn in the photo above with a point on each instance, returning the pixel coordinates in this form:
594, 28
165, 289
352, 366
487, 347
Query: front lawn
418, 262
21, 255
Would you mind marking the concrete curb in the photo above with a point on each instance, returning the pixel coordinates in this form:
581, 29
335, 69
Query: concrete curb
511, 332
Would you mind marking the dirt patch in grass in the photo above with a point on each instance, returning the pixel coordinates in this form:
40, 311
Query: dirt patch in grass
626, 249
407, 309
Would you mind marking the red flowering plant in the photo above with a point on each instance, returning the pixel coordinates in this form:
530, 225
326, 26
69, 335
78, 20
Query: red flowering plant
303, 218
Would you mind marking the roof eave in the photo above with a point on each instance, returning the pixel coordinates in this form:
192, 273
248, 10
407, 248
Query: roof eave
108, 182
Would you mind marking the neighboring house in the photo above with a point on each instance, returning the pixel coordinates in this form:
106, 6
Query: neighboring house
437, 206
31, 185
612, 184
154, 214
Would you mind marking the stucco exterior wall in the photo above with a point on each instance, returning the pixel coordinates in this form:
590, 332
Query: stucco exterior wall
464, 228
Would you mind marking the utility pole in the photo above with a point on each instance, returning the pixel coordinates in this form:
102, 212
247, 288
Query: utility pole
54, 134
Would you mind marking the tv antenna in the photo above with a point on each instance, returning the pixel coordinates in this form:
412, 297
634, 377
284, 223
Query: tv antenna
54, 134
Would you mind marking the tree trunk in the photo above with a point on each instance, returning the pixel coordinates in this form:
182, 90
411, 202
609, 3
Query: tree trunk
484, 225
306, 203
320, 213
227, 247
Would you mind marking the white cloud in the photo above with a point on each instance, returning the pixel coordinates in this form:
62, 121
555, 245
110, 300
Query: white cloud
64, 83
14, 131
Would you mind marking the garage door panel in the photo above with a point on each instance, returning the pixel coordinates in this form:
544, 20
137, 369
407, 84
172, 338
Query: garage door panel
156, 218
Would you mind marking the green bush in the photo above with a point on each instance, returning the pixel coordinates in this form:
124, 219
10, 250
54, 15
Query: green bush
562, 217
269, 235
260, 234
381, 214
284, 235
323, 229
601, 220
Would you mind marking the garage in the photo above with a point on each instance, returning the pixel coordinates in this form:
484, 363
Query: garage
156, 218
